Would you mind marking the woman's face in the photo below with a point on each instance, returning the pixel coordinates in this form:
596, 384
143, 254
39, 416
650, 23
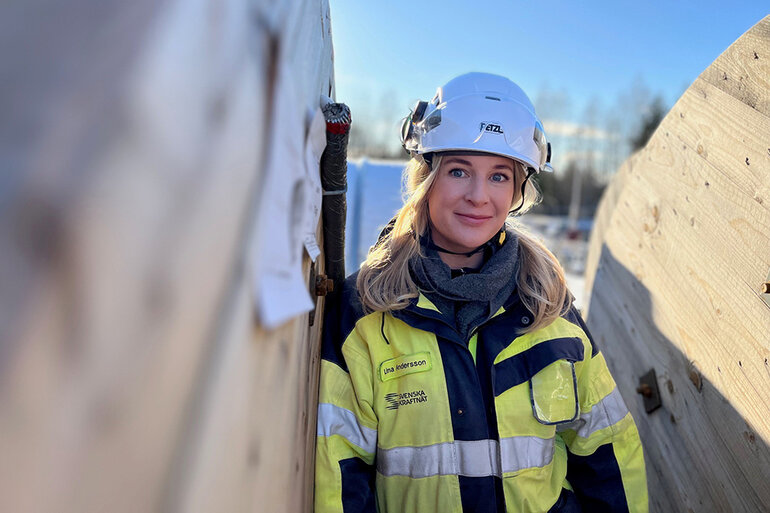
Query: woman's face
470, 200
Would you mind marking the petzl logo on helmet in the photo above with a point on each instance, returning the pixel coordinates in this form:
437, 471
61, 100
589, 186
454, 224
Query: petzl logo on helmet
491, 127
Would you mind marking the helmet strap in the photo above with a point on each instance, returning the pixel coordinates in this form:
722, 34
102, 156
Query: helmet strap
530, 172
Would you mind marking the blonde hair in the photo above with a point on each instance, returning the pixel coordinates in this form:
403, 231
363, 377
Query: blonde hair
384, 282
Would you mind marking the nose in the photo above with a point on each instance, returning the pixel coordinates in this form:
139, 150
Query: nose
477, 192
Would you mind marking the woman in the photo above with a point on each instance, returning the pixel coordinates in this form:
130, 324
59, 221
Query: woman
456, 375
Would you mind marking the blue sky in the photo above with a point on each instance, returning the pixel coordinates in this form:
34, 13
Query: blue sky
389, 54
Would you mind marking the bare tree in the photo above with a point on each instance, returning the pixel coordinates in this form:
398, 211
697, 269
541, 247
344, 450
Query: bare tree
655, 113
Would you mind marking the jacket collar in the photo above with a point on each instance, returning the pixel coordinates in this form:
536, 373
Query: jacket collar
422, 313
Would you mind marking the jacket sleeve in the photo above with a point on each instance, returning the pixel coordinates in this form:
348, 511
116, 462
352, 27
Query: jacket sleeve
346, 441
605, 463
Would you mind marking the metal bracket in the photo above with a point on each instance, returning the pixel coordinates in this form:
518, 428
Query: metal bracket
648, 387
766, 289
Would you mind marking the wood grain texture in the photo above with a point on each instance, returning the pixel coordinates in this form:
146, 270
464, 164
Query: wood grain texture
252, 446
133, 376
675, 269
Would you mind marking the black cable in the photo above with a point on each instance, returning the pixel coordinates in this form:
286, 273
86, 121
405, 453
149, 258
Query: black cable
334, 182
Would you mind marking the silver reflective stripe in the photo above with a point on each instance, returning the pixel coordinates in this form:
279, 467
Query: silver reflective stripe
520, 452
333, 420
605, 413
474, 458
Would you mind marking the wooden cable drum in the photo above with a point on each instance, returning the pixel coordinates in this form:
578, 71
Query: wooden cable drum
676, 276
134, 374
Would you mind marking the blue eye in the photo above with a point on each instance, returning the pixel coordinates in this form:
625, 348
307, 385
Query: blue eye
457, 173
499, 177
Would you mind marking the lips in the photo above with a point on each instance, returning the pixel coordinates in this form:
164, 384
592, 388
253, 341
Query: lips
472, 219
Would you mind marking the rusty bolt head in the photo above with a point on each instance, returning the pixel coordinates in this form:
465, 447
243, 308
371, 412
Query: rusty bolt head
645, 390
323, 285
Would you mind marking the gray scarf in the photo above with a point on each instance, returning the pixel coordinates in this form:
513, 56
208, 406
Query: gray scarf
468, 300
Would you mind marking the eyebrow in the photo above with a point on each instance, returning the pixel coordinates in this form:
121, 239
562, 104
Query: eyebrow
467, 163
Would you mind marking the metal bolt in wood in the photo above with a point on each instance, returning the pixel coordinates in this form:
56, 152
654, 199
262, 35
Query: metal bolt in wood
648, 388
323, 285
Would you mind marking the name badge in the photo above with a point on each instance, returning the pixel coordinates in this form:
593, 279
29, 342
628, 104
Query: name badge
403, 365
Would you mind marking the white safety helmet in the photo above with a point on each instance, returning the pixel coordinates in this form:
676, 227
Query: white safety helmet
479, 112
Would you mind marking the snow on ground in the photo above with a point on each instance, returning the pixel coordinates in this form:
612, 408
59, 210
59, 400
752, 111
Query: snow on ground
374, 196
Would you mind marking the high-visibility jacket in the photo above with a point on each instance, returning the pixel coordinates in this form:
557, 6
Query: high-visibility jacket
412, 418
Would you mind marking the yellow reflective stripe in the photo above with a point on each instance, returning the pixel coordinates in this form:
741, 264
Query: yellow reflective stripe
471, 458
472, 346
333, 420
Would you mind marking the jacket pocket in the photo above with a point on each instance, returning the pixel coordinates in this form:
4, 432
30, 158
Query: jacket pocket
553, 393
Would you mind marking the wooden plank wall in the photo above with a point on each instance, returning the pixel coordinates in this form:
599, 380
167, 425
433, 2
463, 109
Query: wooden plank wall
676, 266
133, 373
